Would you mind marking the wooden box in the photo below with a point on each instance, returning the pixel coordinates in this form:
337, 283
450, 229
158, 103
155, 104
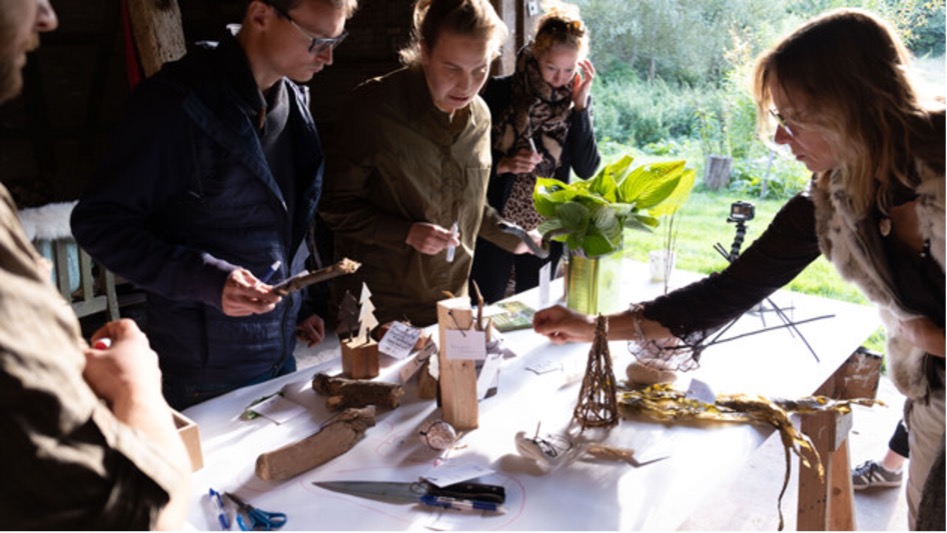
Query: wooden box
187, 429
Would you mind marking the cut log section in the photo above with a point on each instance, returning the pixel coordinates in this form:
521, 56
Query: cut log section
331, 441
347, 393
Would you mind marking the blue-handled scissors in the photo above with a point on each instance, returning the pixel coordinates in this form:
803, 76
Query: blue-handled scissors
258, 519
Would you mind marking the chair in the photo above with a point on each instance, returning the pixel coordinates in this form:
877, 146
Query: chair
72, 268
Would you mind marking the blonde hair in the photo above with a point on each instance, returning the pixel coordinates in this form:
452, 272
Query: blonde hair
850, 71
469, 18
560, 25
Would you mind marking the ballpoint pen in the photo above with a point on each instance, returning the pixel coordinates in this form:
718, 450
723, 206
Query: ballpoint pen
221, 510
450, 247
447, 502
274, 268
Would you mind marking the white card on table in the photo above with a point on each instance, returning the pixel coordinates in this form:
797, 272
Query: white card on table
399, 340
278, 409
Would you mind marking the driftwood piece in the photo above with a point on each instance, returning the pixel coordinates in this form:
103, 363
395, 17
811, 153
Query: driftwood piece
307, 278
331, 441
346, 393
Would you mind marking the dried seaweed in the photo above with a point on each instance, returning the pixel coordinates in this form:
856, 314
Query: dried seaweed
662, 402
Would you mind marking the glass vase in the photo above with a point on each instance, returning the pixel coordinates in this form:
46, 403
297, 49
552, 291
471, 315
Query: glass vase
593, 284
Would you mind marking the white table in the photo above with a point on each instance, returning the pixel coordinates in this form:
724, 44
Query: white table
586, 494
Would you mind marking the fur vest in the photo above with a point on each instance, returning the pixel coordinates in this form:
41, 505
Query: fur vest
845, 242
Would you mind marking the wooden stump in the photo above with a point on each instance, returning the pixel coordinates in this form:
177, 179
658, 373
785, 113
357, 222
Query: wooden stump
717, 172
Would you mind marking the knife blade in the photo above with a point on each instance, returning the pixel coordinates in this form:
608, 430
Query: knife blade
417, 491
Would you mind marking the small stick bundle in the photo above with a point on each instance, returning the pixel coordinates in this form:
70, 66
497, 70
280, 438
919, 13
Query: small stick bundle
346, 393
331, 441
598, 402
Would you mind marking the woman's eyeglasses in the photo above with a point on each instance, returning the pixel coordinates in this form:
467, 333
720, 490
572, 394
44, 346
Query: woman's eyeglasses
317, 45
782, 121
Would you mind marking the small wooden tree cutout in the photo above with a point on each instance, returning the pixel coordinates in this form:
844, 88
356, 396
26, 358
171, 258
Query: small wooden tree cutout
348, 316
598, 403
366, 316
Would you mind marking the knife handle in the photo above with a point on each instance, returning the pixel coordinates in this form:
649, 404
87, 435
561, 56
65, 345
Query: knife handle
471, 491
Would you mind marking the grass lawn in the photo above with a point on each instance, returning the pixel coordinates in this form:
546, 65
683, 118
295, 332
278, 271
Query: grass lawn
703, 221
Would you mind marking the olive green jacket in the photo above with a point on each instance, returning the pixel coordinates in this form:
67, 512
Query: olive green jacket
397, 160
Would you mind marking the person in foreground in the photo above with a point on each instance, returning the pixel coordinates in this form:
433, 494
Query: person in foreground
542, 126
840, 93
88, 440
207, 194
406, 186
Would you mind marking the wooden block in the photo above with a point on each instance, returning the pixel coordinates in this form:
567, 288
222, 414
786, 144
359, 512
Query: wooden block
458, 378
359, 359
859, 376
187, 429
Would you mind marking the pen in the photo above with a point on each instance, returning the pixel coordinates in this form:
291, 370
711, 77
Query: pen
460, 505
221, 510
269, 273
451, 247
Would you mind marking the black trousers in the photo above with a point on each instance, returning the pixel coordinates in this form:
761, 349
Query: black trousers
492, 266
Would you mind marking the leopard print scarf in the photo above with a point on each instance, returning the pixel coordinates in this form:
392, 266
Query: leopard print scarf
539, 113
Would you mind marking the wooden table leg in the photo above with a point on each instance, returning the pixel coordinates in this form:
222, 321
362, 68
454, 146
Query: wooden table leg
828, 505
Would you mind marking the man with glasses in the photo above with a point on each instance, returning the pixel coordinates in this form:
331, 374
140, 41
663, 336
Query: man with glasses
208, 192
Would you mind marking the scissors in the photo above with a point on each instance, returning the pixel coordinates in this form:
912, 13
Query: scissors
258, 518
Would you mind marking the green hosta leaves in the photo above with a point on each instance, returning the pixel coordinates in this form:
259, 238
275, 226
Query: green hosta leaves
589, 215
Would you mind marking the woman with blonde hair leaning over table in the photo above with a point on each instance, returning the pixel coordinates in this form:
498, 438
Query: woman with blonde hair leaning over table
839, 93
405, 188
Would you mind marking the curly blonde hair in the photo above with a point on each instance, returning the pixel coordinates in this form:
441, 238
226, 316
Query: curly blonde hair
470, 18
560, 25
852, 72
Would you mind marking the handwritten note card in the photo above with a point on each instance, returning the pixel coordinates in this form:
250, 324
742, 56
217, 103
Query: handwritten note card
399, 340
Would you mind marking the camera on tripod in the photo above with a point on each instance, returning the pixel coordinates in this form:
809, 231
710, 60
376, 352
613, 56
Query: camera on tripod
741, 212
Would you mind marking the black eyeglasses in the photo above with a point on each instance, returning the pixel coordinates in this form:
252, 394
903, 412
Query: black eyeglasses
782, 121
317, 45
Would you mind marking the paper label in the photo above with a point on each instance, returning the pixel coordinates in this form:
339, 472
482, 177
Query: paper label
465, 344
544, 367
489, 377
417, 362
544, 273
698, 390
278, 409
399, 340
449, 473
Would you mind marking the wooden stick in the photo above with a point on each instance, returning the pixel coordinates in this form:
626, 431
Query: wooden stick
305, 279
331, 441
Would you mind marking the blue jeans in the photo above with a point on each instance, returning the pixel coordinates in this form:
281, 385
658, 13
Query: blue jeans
181, 394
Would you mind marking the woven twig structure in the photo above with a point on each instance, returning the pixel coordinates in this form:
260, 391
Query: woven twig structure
598, 403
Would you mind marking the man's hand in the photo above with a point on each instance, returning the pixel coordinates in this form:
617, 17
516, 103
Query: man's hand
312, 330
520, 163
430, 239
563, 325
126, 372
245, 295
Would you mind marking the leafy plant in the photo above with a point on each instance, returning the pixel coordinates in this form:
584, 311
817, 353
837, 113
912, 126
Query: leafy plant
589, 215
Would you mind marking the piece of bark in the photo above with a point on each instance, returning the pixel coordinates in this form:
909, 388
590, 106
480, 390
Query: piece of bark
345, 393
331, 441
